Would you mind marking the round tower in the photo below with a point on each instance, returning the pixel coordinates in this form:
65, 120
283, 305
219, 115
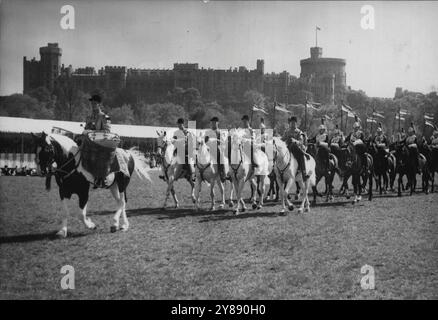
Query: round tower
50, 64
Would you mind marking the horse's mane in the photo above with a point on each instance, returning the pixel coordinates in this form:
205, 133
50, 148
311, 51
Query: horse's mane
279, 142
68, 145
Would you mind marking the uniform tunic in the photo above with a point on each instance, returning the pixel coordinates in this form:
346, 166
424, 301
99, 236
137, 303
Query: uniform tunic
434, 142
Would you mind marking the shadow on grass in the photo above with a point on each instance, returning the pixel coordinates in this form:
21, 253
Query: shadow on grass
23, 238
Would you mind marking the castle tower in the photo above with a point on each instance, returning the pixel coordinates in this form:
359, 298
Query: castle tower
50, 64
325, 76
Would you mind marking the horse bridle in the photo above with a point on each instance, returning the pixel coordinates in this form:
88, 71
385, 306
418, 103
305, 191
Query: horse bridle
281, 171
240, 163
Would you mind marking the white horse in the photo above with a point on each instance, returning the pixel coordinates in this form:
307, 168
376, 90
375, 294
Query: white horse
241, 170
207, 171
172, 171
286, 167
59, 156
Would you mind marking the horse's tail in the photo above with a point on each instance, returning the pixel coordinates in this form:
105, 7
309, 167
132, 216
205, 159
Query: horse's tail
141, 166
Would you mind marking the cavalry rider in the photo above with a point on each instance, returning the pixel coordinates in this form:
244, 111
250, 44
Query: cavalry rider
249, 136
183, 138
337, 140
356, 138
411, 143
98, 120
434, 139
296, 141
213, 140
322, 141
380, 140
401, 135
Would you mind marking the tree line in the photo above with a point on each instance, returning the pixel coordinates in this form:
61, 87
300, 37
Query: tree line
68, 103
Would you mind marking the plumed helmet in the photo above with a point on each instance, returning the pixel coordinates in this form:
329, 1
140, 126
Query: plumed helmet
379, 128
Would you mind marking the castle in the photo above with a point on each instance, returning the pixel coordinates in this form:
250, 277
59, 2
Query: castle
325, 76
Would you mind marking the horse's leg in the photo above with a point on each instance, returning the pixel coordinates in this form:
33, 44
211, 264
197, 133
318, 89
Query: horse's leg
370, 188
212, 194
305, 186
254, 186
400, 183
198, 193
289, 183
65, 214
232, 191
121, 204
83, 200
125, 222
262, 191
175, 199
168, 191
222, 191
297, 195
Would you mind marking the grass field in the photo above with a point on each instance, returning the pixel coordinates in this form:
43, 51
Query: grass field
183, 254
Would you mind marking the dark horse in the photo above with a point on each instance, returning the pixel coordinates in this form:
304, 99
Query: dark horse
384, 167
326, 167
360, 166
406, 165
59, 156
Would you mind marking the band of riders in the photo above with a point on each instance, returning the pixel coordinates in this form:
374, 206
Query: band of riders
98, 144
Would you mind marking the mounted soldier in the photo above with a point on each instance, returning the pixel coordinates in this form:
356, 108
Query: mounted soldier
321, 143
337, 140
356, 138
183, 139
380, 141
296, 141
98, 120
213, 140
434, 139
411, 143
98, 146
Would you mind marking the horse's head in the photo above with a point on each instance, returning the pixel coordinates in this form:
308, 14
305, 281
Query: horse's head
203, 149
44, 153
236, 138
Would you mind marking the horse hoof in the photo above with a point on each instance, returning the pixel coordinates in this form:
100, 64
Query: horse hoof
212, 208
300, 210
306, 209
254, 206
113, 229
243, 209
259, 207
231, 204
124, 228
62, 234
290, 207
348, 197
221, 206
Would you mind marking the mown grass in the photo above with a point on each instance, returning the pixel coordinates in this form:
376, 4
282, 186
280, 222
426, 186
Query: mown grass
185, 254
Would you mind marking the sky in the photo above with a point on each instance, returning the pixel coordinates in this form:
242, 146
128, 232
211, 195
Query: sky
401, 51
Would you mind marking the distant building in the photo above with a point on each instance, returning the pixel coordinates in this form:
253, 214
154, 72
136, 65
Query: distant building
326, 76
42, 73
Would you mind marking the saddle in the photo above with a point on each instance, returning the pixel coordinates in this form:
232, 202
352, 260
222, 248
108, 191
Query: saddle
100, 155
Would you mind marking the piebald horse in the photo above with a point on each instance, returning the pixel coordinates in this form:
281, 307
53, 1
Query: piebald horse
171, 169
286, 168
207, 171
242, 171
60, 156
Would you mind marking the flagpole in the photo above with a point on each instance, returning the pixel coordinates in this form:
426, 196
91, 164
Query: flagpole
316, 36
399, 116
305, 116
341, 114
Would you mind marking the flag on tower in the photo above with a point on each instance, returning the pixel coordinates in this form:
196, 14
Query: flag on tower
318, 28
